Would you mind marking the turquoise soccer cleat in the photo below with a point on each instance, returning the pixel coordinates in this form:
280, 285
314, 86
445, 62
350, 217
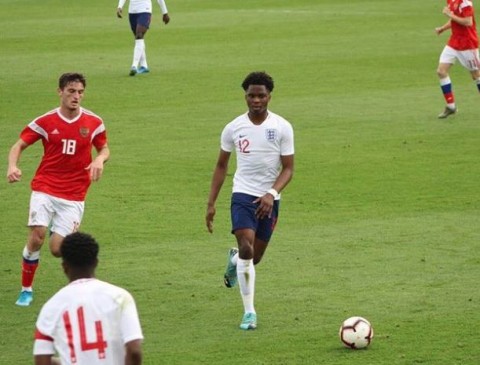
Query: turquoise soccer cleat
24, 299
230, 276
143, 70
249, 321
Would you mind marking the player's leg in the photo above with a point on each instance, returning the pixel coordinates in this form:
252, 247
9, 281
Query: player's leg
264, 233
139, 53
252, 246
143, 58
138, 44
447, 59
246, 276
40, 216
67, 219
244, 224
476, 78
473, 65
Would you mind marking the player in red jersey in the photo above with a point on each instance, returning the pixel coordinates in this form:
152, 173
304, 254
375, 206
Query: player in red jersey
60, 184
462, 46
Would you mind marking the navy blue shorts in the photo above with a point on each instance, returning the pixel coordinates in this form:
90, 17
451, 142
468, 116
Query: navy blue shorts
139, 19
243, 216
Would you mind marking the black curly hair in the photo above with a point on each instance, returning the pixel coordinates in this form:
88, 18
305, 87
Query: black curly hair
258, 78
79, 250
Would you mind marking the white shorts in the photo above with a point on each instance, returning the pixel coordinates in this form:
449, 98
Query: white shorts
468, 59
63, 216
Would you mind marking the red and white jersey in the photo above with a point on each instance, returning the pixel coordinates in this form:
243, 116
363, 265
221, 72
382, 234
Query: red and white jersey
67, 148
258, 149
462, 37
88, 322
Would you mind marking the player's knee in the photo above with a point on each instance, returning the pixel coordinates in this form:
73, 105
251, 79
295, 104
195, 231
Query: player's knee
139, 35
442, 73
37, 237
56, 252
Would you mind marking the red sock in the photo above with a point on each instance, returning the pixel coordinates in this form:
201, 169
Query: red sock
28, 272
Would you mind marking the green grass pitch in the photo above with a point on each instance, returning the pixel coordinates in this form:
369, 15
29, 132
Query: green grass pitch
381, 219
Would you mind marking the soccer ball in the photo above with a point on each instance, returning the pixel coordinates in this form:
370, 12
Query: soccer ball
356, 333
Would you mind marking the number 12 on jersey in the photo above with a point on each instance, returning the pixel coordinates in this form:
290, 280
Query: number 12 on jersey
99, 344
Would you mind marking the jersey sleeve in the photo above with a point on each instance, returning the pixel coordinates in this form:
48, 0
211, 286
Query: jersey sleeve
100, 139
29, 135
163, 6
286, 145
466, 9
43, 345
226, 139
130, 322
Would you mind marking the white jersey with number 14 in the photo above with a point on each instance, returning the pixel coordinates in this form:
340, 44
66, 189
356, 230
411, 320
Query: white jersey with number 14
88, 322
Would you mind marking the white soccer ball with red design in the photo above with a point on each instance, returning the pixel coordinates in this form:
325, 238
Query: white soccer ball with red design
356, 333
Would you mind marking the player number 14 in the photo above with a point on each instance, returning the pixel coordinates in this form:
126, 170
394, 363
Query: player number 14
99, 344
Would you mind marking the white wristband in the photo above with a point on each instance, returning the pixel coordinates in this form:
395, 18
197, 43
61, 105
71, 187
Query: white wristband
273, 192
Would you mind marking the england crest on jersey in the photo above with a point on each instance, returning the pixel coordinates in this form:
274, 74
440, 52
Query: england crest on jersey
271, 135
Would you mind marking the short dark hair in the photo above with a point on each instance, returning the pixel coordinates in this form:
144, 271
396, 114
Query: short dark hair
258, 78
79, 250
69, 77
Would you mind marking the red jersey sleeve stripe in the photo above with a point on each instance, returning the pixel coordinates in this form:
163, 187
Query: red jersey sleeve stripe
40, 336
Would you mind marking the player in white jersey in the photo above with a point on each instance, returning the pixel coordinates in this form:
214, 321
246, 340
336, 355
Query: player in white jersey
89, 321
264, 146
140, 15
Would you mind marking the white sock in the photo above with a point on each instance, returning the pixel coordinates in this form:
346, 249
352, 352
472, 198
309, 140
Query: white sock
445, 81
234, 259
246, 282
31, 256
138, 51
143, 58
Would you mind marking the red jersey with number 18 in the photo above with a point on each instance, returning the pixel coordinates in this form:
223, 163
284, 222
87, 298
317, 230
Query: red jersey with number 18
463, 37
89, 322
67, 148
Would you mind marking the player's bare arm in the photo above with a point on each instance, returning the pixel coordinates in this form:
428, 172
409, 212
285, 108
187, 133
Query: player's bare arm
14, 174
96, 167
467, 22
266, 201
217, 181
46, 360
443, 28
133, 352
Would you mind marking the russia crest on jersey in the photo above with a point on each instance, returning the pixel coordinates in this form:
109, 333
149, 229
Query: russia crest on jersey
84, 131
